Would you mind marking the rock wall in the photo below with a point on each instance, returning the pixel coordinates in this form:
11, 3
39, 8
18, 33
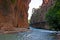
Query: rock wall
38, 16
13, 14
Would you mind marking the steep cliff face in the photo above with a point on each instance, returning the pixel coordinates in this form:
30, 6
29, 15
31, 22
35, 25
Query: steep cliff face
13, 13
22, 9
38, 16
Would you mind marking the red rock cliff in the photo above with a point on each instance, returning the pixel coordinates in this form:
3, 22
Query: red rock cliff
13, 13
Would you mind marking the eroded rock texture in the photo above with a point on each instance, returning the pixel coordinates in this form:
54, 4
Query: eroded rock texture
13, 13
38, 16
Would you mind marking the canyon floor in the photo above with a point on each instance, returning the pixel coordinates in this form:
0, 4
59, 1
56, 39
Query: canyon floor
33, 34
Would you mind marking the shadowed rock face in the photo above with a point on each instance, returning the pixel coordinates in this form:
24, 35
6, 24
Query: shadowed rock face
13, 13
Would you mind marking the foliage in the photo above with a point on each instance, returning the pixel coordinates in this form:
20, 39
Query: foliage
5, 4
13, 1
53, 16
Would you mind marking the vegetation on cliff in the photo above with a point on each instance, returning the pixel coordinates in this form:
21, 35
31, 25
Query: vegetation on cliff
13, 1
5, 4
53, 16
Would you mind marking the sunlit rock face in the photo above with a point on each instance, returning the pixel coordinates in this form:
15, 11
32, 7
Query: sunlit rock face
38, 16
13, 13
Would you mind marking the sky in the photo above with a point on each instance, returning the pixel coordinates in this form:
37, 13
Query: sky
33, 4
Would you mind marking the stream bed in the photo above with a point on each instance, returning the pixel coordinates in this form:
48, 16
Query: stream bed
34, 34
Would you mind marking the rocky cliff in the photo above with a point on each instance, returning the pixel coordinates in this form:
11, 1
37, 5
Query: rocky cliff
13, 14
38, 16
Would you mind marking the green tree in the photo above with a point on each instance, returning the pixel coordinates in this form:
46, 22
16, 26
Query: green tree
53, 16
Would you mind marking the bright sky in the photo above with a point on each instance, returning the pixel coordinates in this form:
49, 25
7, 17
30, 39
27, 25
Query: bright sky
33, 4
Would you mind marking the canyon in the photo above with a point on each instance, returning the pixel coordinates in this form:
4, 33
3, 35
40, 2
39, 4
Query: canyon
38, 16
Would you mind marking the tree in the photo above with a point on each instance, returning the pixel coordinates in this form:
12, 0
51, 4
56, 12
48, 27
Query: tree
53, 16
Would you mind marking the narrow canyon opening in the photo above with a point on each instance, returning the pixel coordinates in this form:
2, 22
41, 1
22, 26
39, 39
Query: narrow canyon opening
33, 4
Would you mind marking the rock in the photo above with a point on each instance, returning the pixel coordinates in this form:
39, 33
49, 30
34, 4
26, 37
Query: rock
13, 13
8, 27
